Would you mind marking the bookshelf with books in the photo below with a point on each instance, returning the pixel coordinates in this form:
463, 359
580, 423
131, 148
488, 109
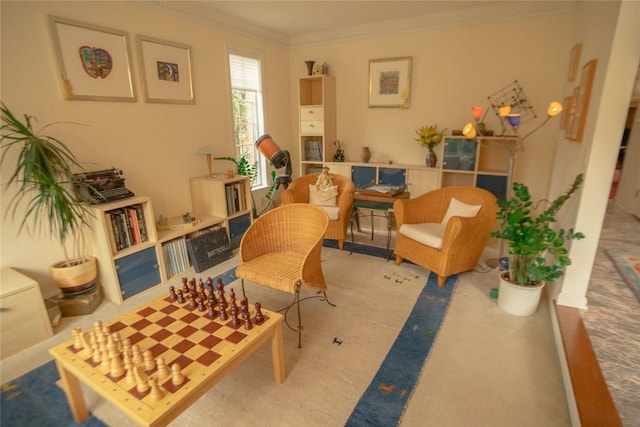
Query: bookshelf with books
133, 254
317, 124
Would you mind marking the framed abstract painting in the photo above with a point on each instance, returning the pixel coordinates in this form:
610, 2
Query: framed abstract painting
390, 82
166, 71
94, 62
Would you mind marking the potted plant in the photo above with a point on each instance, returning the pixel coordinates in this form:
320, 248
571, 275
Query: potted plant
45, 195
537, 253
429, 137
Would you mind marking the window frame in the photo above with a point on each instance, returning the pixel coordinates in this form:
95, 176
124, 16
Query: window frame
260, 179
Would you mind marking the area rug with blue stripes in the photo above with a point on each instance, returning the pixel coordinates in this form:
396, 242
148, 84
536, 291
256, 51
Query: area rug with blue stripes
36, 400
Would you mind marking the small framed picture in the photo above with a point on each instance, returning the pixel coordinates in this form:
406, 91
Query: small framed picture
94, 61
390, 82
574, 61
166, 71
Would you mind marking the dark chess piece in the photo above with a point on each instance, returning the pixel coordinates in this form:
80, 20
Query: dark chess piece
212, 296
192, 285
209, 282
235, 320
221, 296
222, 308
232, 299
192, 302
247, 323
211, 314
185, 286
172, 294
259, 317
180, 297
201, 286
200, 303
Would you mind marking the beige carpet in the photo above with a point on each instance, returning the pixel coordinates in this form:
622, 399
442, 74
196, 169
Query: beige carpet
487, 368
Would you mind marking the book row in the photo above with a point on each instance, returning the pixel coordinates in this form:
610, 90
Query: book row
128, 226
176, 257
236, 197
313, 150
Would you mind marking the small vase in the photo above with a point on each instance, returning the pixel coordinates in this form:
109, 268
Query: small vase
309, 67
431, 159
365, 155
339, 155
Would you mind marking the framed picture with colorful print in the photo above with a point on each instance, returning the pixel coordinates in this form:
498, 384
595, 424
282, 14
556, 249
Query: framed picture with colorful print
166, 71
583, 96
94, 62
390, 82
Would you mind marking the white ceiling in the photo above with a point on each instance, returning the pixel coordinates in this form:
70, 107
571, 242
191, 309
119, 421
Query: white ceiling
305, 21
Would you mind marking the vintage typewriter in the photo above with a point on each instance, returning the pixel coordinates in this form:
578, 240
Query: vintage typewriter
101, 186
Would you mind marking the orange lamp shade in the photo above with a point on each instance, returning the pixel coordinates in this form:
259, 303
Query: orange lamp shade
476, 112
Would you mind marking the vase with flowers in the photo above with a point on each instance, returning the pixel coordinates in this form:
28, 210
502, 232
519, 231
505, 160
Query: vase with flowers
339, 154
429, 137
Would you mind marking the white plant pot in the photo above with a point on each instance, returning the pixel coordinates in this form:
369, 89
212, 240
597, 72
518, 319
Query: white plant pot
519, 300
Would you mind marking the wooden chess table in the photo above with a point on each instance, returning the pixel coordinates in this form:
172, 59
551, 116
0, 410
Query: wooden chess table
206, 350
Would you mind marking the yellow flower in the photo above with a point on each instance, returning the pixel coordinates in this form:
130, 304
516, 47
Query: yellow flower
429, 136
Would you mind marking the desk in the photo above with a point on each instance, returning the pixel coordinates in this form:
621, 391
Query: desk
206, 349
381, 204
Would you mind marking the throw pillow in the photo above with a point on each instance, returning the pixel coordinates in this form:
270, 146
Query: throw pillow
323, 196
458, 208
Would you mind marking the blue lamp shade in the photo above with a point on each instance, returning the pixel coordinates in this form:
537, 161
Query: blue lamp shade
514, 120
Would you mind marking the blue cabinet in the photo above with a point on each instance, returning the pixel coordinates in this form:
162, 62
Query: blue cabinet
138, 272
237, 227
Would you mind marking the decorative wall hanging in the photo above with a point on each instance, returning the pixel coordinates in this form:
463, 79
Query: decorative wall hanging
94, 61
390, 82
166, 71
582, 95
574, 61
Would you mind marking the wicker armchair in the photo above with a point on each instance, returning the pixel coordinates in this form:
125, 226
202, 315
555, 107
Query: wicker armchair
462, 239
282, 250
298, 192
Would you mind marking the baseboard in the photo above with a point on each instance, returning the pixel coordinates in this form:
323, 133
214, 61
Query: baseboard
589, 399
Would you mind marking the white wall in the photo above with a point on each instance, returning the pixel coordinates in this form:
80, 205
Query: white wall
609, 32
154, 144
453, 69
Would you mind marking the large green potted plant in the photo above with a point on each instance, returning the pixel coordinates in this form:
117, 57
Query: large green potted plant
45, 198
537, 253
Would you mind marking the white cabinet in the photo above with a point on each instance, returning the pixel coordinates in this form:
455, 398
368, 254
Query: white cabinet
317, 116
24, 320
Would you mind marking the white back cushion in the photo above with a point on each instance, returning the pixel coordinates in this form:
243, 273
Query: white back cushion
458, 208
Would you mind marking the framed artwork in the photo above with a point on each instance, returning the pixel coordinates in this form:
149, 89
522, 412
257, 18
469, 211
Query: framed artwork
582, 96
574, 60
565, 112
94, 62
570, 112
390, 82
166, 71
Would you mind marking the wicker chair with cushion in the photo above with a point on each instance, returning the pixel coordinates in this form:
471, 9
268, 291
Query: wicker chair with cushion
339, 214
282, 250
444, 230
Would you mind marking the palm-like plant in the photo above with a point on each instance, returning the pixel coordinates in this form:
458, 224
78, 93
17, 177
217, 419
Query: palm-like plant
44, 179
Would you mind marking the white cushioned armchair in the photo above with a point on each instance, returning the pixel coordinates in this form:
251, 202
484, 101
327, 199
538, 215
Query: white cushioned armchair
339, 215
449, 245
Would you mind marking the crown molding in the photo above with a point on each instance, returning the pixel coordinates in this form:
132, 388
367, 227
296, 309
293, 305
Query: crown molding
203, 16
472, 16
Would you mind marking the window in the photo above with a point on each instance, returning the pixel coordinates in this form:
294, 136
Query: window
247, 109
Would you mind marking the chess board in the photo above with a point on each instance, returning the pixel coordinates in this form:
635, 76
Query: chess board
205, 348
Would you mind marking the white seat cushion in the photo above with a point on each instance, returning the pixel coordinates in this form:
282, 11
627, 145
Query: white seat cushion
332, 211
430, 234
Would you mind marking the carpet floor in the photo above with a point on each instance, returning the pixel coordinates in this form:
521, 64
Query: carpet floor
485, 367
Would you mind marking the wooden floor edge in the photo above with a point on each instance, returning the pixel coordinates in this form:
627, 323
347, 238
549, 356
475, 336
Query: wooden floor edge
592, 397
